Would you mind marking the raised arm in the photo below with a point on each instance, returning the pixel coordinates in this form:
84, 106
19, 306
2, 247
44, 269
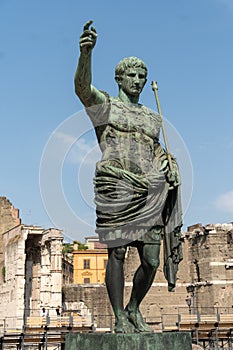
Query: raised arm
86, 92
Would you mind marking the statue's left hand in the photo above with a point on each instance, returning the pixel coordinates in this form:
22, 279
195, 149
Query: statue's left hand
173, 178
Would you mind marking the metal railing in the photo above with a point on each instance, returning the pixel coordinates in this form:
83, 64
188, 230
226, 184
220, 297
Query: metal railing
212, 327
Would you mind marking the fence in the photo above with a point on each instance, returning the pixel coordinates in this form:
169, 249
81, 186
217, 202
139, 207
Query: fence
212, 327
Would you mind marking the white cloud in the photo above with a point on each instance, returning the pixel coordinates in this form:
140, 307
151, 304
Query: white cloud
225, 202
84, 153
65, 138
78, 150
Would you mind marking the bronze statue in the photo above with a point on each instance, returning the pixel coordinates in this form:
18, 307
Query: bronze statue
137, 195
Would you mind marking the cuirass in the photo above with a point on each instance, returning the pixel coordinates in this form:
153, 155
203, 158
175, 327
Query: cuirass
130, 136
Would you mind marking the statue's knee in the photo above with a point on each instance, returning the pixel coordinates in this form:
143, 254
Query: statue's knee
119, 253
153, 263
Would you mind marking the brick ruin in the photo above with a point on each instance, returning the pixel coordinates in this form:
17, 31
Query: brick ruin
210, 255
9, 215
9, 218
31, 276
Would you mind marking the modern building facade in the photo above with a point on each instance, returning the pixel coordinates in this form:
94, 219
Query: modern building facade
90, 266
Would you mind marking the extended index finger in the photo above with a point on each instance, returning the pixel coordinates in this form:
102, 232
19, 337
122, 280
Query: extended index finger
87, 25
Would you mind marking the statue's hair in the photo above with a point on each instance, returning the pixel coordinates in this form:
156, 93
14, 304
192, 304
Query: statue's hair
129, 62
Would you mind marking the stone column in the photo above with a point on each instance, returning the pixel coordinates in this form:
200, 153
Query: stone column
51, 269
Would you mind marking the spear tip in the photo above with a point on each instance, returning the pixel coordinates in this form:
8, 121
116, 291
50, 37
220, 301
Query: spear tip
154, 85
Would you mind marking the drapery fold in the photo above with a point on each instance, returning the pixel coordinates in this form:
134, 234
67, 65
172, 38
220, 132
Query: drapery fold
129, 205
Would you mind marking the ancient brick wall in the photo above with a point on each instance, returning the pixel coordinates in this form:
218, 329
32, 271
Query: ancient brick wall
211, 261
9, 218
95, 299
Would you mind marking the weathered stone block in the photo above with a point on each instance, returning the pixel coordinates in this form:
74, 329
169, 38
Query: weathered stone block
152, 341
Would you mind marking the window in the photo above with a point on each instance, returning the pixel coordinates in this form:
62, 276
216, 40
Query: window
105, 263
86, 264
86, 280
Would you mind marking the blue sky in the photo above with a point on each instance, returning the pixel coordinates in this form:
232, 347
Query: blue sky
187, 46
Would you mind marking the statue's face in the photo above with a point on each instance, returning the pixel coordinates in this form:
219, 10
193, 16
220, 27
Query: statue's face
133, 81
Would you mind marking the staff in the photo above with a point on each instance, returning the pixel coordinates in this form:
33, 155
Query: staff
155, 89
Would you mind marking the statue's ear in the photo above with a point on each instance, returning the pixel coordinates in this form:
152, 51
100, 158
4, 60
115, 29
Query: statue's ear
118, 79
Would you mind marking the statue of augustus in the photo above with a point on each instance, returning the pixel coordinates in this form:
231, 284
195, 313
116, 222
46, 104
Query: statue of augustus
137, 195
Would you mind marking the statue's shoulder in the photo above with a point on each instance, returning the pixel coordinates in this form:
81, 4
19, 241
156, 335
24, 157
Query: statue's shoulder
151, 116
152, 113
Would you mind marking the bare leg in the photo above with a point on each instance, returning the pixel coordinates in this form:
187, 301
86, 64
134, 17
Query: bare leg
115, 287
143, 279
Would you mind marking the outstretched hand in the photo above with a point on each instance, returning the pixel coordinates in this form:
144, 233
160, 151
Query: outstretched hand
88, 38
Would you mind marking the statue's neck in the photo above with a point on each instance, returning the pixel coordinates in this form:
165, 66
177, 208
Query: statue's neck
127, 98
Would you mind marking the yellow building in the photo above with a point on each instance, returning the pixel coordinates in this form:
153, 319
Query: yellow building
90, 265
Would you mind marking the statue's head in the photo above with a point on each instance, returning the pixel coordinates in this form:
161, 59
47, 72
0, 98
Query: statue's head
129, 62
130, 75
